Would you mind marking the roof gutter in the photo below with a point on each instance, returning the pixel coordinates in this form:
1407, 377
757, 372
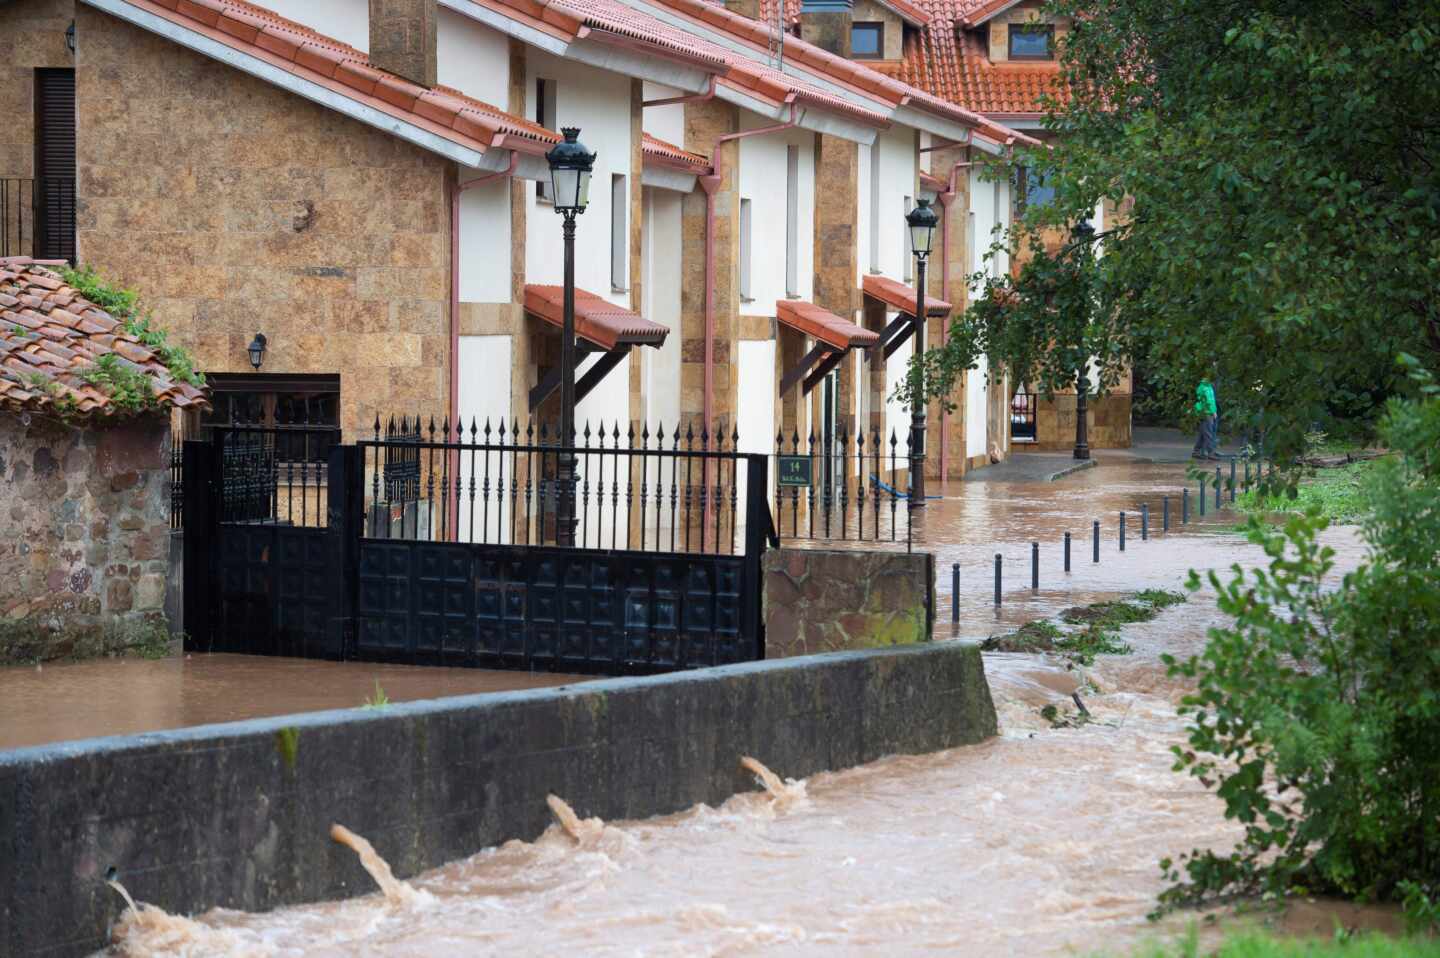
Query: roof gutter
710, 183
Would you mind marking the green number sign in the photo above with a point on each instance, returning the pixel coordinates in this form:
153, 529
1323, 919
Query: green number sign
794, 470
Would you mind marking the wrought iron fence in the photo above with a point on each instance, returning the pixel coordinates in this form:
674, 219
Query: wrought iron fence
177, 483
500, 482
842, 486
274, 474
37, 217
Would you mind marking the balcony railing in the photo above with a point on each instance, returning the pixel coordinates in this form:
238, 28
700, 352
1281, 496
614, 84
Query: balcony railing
37, 217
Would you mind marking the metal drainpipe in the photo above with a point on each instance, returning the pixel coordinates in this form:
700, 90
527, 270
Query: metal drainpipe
454, 398
710, 184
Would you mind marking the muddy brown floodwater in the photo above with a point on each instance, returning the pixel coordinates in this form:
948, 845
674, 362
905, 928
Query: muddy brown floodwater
1041, 841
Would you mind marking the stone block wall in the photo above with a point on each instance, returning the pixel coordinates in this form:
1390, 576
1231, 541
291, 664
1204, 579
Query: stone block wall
831, 600
84, 534
236, 207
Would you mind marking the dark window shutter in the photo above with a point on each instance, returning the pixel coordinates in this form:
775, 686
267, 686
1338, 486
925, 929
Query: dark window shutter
55, 164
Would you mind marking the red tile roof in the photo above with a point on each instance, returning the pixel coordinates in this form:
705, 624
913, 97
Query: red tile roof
596, 319
615, 18
951, 62
668, 154
900, 297
823, 326
51, 335
261, 33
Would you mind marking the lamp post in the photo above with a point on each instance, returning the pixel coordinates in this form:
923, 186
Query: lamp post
1082, 235
256, 349
921, 222
570, 166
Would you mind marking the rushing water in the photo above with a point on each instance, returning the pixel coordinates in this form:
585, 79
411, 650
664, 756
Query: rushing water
1040, 841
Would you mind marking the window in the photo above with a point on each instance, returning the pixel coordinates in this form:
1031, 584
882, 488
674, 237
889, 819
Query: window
867, 41
310, 403
619, 235
54, 186
1031, 188
545, 116
745, 247
906, 256
1032, 41
792, 221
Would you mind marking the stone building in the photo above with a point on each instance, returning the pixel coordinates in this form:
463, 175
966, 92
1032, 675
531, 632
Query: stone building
377, 209
84, 472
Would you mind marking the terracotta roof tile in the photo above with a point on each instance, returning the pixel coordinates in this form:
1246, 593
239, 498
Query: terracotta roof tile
294, 47
596, 319
824, 326
948, 61
63, 335
668, 154
901, 297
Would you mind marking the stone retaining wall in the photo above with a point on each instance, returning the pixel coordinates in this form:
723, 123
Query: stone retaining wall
84, 535
238, 815
829, 600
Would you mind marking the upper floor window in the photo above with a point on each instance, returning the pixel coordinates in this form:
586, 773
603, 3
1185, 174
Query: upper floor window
1031, 188
545, 116
867, 41
1032, 41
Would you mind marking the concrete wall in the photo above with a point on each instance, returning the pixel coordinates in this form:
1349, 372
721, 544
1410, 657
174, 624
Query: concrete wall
237, 815
235, 207
84, 534
830, 600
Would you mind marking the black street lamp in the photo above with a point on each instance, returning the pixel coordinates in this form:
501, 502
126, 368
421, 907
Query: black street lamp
570, 166
921, 222
1082, 235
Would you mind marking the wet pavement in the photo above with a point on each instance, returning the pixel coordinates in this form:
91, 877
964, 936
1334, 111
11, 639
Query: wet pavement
1041, 841
120, 696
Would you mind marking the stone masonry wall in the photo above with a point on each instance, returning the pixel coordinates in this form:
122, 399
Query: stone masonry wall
832, 600
236, 207
84, 533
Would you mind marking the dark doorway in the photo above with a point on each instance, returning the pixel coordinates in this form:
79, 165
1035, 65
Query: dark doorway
54, 189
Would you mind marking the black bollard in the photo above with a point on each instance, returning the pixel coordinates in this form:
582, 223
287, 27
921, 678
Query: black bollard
1144, 521
1202, 496
1067, 552
1122, 532
1247, 474
1232, 480
1035, 567
955, 592
1217, 488
1097, 540
1164, 513
997, 578
1184, 506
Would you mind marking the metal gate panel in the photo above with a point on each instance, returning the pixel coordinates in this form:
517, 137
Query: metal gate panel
273, 590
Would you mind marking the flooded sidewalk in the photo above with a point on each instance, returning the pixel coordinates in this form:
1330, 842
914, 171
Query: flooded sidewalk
80, 700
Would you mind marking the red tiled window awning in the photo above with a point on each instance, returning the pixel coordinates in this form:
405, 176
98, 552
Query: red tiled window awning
597, 320
824, 326
901, 297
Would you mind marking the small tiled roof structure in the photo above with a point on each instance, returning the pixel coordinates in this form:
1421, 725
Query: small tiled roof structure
51, 335
948, 59
901, 297
661, 153
597, 320
823, 326
290, 46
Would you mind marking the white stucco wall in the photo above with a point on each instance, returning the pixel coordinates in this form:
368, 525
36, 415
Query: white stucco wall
982, 220
763, 181
599, 103
897, 414
485, 242
484, 393
757, 395
473, 59
665, 122
345, 20
660, 247
895, 149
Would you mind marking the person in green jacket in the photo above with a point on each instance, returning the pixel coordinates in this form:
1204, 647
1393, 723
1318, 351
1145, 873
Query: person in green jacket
1205, 443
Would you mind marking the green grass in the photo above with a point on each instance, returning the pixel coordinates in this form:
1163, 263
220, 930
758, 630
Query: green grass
1255, 945
1339, 493
1095, 628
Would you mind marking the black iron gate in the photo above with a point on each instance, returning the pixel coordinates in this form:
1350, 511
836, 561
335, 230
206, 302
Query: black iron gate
440, 547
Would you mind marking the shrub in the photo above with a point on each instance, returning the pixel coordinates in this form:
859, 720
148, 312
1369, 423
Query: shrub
1317, 713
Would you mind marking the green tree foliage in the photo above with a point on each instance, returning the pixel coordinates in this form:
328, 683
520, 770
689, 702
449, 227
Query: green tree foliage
1278, 166
1316, 713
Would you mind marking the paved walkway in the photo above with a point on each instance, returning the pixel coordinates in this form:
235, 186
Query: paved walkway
1030, 467
1151, 445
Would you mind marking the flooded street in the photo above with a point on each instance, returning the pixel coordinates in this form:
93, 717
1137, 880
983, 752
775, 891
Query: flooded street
79, 700
1041, 841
